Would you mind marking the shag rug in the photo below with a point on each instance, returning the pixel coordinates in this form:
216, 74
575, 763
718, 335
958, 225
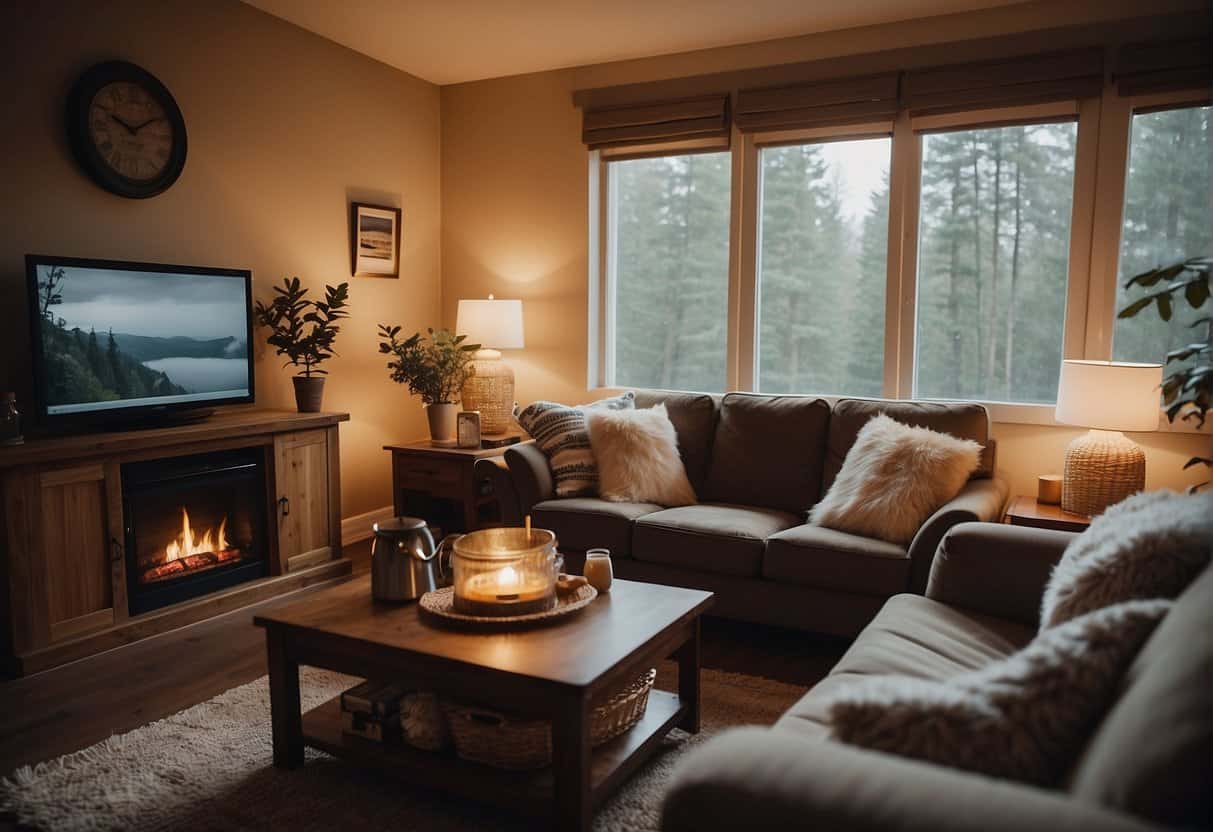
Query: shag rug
209, 768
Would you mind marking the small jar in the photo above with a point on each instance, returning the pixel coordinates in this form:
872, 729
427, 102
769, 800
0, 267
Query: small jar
10, 420
598, 570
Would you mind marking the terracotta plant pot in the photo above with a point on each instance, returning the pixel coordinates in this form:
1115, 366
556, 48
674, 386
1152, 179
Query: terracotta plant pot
442, 418
309, 392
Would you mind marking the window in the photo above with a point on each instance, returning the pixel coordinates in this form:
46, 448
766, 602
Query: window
668, 271
993, 251
822, 268
1168, 217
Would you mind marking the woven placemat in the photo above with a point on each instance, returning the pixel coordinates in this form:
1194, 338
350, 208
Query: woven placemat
441, 602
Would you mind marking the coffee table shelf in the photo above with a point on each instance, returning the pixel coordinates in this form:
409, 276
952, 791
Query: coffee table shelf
525, 791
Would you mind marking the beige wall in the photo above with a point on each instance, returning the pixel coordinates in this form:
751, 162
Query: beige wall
515, 201
285, 128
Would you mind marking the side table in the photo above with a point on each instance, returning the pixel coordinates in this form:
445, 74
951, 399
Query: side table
1026, 511
439, 486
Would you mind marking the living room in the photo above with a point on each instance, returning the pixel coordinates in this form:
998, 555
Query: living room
752, 237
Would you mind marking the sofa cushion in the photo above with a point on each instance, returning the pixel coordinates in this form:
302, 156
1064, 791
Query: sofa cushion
911, 636
1151, 755
768, 452
726, 539
694, 418
964, 420
582, 523
1024, 718
821, 557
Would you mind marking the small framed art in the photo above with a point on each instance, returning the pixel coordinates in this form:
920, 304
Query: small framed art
375, 241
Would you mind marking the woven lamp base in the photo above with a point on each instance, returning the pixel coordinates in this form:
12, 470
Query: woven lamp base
1102, 468
491, 391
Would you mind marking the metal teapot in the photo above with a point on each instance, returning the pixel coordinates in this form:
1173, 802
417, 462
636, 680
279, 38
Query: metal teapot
405, 563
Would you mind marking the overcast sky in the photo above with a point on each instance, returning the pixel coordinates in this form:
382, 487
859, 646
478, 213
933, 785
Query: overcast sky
152, 303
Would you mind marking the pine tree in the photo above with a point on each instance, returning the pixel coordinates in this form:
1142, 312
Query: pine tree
114, 360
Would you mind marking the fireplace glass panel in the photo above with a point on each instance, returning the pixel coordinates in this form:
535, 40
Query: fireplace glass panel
194, 525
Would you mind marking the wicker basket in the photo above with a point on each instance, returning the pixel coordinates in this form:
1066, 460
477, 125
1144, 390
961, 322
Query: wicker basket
495, 739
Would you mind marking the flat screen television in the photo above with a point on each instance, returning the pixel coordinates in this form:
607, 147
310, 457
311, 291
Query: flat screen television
121, 342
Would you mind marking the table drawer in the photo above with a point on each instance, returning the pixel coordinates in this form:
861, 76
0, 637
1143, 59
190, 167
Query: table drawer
438, 478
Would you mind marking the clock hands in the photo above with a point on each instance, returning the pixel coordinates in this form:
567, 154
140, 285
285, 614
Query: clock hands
146, 123
129, 129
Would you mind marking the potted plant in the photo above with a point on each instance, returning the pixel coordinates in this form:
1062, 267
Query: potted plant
304, 331
1187, 389
434, 367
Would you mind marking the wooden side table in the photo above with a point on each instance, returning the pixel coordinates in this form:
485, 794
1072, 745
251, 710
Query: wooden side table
438, 485
1026, 511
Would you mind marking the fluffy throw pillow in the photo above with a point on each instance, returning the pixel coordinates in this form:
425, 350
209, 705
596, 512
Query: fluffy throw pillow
1150, 545
1025, 718
560, 432
893, 478
637, 456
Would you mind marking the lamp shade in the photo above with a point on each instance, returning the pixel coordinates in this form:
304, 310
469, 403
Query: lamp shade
1107, 395
494, 324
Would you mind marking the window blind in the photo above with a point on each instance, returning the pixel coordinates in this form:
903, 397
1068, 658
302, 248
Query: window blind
665, 121
818, 104
1159, 67
1031, 79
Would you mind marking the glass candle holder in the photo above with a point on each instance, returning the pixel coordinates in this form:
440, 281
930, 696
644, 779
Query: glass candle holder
598, 569
504, 572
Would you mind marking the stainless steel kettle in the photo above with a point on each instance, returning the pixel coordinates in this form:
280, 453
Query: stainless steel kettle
405, 563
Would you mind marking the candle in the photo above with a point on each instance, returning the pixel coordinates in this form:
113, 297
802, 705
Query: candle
598, 569
506, 585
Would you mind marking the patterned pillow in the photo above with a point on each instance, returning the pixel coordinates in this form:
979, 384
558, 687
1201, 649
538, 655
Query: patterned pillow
561, 433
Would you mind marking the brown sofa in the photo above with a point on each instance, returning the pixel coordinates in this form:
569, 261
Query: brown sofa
1147, 765
758, 464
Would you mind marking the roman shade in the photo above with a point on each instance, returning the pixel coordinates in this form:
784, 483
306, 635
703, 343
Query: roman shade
819, 104
1158, 67
1030, 79
703, 117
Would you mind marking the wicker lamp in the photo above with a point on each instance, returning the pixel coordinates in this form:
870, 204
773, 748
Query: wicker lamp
495, 325
1104, 466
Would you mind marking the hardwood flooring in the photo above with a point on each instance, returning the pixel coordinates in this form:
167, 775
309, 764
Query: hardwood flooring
71, 707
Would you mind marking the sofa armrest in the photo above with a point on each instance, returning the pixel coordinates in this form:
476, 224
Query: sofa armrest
531, 474
495, 470
996, 569
759, 778
980, 499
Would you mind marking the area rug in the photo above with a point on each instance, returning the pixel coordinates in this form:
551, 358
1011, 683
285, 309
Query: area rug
209, 768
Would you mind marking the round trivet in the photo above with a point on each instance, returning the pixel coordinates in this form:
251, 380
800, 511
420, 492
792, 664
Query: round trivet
441, 602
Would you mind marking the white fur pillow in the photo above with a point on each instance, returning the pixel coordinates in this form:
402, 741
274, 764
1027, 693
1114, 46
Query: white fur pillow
893, 478
1150, 545
637, 456
1026, 717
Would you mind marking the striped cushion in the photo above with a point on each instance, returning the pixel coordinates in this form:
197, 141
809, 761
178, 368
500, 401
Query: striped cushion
560, 432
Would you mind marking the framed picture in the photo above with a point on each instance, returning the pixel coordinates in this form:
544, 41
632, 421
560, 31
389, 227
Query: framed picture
375, 242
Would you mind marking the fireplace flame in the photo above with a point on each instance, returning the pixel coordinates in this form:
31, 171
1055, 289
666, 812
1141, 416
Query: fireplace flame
190, 542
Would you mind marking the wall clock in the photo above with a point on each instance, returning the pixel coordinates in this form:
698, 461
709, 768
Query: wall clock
126, 130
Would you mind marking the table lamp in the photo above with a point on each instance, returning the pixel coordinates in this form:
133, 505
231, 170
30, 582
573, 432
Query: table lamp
495, 325
1104, 466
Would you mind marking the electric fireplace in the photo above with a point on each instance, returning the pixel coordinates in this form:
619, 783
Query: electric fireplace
194, 525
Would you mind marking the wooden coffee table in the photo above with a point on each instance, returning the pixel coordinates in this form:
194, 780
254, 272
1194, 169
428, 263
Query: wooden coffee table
551, 672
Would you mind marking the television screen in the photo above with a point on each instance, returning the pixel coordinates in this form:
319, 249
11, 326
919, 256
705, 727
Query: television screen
115, 337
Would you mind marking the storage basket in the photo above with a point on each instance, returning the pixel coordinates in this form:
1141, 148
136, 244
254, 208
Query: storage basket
499, 740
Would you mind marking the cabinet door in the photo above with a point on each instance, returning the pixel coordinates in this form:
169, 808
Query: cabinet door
61, 553
301, 472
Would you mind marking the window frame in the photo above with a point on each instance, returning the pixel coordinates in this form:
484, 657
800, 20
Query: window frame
1104, 125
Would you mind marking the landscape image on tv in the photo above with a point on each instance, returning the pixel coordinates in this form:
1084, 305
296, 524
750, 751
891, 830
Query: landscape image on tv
113, 338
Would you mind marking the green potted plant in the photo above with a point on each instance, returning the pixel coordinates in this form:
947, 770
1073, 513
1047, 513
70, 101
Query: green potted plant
304, 331
434, 367
1187, 390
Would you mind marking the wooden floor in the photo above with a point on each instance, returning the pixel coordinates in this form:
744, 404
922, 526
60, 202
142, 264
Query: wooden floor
73, 706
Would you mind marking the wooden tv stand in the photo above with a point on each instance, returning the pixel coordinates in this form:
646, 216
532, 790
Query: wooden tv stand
63, 582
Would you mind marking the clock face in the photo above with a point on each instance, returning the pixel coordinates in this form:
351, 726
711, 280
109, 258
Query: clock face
126, 130
130, 131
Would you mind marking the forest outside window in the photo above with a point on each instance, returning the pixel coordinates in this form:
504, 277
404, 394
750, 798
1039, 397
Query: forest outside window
993, 249
668, 271
1168, 216
822, 267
